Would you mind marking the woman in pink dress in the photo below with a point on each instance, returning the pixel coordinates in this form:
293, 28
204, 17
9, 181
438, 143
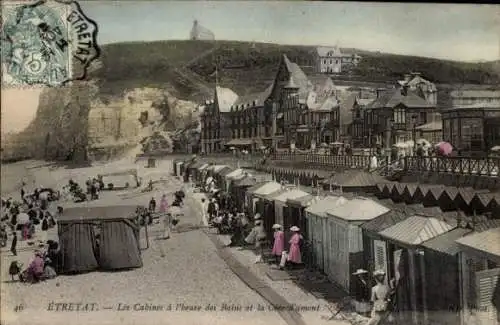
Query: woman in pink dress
294, 255
163, 203
279, 242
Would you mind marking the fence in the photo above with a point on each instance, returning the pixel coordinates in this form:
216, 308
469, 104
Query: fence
323, 161
455, 165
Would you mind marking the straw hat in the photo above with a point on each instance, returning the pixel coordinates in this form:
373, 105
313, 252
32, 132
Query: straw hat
276, 226
360, 271
295, 228
257, 216
379, 273
258, 222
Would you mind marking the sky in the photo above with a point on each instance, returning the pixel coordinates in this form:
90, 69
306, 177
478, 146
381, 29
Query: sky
449, 31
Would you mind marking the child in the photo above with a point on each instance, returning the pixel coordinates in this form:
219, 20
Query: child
15, 269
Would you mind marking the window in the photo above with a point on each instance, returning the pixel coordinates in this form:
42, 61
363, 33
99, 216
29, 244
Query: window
399, 116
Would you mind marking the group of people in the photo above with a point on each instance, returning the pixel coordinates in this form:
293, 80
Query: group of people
168, 214
23, 216
291, 257
43, 266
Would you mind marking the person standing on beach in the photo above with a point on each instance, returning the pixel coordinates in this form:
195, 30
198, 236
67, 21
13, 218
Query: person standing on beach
13, 245
152, 205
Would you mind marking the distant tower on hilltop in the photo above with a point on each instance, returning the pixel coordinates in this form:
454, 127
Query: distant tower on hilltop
200, 33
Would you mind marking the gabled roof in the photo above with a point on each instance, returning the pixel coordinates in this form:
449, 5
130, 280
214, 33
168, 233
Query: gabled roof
303, 201
298, 77
446, 243
290, 194
226, 98
324, 204
324, 50
358, 209
235, 172
487, 241
416, 230
394, 97
265, 188
385, 221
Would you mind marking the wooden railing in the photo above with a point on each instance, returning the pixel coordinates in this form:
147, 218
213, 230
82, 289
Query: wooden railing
456, 165
322, 161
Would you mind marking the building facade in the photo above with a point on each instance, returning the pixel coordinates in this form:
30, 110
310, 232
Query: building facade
472, 129
396, 113
216, 120
332, 60
461, 98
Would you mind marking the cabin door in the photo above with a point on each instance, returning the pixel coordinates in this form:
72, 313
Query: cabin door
487, 296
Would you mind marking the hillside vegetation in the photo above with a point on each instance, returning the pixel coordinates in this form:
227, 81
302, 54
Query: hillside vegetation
189, 66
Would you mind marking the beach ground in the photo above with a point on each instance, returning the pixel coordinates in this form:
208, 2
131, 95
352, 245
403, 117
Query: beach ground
182, 277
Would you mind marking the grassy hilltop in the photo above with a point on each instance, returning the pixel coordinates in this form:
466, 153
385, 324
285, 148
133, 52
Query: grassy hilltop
189, 66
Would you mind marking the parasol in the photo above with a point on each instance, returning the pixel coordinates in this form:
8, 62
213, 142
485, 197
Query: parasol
232, 148
495, 148
263, 147
23, 218
324, 145
424, 143
444, 148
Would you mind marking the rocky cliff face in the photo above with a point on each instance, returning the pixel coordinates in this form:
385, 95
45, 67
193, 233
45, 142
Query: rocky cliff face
72, 120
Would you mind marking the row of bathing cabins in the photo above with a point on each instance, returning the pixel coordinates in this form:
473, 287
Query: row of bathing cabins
442, 243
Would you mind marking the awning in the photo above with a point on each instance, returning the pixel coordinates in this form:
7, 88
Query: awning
239, 142
416, 230
432, 126
487, 242
446, 243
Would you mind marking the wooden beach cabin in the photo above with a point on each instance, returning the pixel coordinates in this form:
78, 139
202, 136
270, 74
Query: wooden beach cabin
441, 256
345, 239
403, 241
317, 231
230, 176
480, 277
280, 206
256, 193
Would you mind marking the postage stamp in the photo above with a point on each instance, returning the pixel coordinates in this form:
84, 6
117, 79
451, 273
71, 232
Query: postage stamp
47, 42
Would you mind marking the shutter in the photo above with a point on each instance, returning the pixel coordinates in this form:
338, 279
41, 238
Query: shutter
380, 256
486, 286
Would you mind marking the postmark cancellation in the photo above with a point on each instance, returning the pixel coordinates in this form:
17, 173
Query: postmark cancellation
48, 42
